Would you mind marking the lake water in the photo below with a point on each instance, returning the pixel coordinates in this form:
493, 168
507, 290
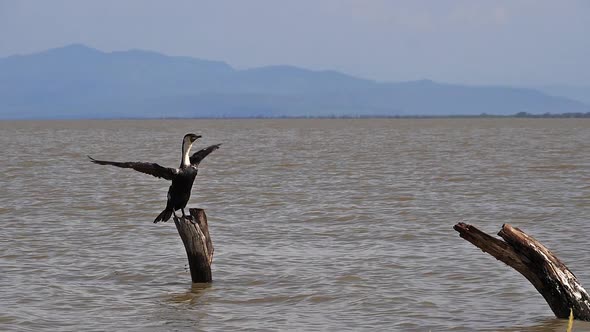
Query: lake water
327, 225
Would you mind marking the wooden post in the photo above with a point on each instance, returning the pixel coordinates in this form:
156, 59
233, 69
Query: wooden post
194, 232
552, 279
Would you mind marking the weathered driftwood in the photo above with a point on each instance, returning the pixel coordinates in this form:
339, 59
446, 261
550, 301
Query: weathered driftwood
194, 232
552, 279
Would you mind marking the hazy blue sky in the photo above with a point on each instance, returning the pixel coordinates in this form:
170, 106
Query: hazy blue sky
515, 42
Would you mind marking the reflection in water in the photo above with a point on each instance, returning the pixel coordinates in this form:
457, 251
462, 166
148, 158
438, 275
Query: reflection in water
545, 325
191, 296
317, 224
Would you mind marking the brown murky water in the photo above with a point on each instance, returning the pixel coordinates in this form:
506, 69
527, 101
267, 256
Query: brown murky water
317, 224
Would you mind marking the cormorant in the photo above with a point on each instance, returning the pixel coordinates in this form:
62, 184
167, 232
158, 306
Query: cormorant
182, 178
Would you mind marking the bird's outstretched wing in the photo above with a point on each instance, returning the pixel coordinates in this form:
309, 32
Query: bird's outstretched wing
147, 168
198, 156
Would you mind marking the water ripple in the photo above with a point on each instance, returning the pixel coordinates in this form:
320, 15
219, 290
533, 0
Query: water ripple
317, 224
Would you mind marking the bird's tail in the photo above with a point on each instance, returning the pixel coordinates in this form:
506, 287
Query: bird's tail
164, 216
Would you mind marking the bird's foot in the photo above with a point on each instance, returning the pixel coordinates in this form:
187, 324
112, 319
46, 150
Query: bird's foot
189, 218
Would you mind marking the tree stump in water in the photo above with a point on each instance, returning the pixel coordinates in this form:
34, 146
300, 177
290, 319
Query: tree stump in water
552, 279
194, 232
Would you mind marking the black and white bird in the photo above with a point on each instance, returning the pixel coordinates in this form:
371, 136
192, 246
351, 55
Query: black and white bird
182, 178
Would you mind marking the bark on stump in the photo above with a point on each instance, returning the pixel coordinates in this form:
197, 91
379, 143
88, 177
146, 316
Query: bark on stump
194, 232
552, 279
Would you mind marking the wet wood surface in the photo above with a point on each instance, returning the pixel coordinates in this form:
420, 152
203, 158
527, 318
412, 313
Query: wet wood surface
552, 279
194, 232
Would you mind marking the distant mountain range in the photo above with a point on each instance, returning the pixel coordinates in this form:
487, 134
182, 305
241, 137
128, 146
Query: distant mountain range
76, 81
579, 93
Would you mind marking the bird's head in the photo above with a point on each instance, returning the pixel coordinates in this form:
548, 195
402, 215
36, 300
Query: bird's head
191, 138
187, 143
